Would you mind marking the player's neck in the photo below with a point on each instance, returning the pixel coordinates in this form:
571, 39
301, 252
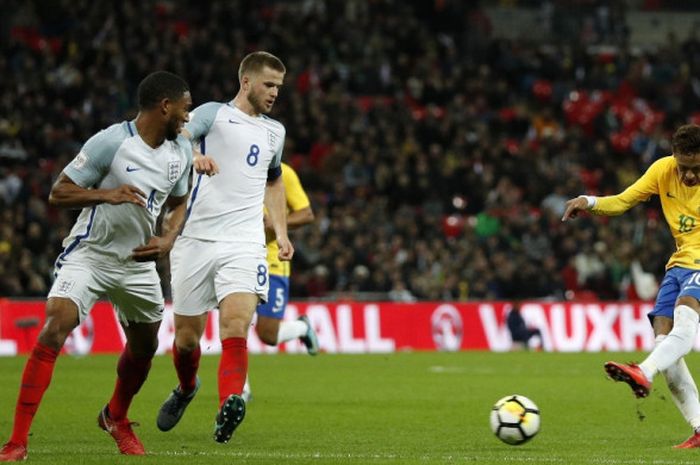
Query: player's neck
244, 105
151, 134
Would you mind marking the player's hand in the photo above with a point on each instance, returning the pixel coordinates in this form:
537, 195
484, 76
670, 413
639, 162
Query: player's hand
125, 194
286, 249
574, 206
204, 165
155, 248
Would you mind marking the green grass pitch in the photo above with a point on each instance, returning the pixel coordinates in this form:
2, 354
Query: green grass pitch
405, 408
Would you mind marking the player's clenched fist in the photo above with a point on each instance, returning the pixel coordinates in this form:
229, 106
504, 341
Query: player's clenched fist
204, 165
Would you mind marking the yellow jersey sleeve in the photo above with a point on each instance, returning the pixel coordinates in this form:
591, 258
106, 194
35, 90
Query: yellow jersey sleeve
296, 197
680, 205
296, 200
640, 191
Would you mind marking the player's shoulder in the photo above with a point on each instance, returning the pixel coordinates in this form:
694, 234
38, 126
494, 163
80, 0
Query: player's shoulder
110, 138
288, 172
117, 131
663, 166
665, 162
273, 124
207, 109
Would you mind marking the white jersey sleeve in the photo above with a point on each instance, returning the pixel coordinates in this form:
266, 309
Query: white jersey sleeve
182, 186
95, 157
275, 169
201, 119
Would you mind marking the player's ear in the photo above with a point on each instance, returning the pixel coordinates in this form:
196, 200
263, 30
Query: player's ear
165, 106
245, 82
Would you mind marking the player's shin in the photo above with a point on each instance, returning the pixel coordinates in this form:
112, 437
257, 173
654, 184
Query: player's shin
35, 380
186, 365
233, 367
684, 391
678, 342
132, 371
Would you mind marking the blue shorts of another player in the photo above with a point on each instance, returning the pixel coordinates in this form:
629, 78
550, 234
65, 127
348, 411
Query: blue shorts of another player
276, 299
677, 282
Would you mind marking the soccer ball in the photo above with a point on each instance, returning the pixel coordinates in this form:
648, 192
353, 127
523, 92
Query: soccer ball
515, 419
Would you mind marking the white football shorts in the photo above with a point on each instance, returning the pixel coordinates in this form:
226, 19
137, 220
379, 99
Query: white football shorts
84, 276
204, 272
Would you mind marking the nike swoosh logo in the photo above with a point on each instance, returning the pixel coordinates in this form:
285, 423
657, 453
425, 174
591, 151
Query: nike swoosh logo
129, 169
233, 121
670, 196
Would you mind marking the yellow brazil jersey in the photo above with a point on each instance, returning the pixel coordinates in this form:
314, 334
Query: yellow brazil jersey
680, 204
296, 200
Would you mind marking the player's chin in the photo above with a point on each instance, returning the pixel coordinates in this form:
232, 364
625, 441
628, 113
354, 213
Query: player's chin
172, 134
690, 183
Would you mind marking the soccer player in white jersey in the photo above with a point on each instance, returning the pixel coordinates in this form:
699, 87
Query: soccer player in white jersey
220, 258
121, 178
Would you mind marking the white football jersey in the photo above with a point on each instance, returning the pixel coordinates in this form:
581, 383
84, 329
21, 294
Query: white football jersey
248, 150
113, 157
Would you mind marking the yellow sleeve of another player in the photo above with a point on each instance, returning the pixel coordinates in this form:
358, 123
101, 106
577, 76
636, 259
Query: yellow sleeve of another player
296, 197
640, 191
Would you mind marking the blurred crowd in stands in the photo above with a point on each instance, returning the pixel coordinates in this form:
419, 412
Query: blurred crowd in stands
438, 157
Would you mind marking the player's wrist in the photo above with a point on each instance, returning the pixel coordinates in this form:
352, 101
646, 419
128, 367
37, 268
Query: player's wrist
591, 201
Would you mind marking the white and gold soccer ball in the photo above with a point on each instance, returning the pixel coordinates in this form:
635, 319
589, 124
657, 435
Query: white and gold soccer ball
515, 419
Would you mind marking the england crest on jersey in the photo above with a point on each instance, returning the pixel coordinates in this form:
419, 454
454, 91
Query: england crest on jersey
271, 139
174, 170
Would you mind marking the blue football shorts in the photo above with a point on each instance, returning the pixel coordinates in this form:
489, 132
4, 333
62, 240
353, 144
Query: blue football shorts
677, 282
277, 298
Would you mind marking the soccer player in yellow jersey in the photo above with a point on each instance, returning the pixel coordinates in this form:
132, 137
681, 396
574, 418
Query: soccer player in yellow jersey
675, 179
270, 327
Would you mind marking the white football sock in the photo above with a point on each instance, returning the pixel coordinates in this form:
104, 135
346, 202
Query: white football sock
678, 342
290, 330
683, 389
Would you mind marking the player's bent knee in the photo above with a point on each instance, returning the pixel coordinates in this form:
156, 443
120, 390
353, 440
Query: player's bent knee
267, 336
689, 301
267, 329
233, 328
187, 340
144, 348
61, 319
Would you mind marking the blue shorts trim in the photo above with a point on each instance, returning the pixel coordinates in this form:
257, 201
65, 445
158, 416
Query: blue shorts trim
677, 282
277, 298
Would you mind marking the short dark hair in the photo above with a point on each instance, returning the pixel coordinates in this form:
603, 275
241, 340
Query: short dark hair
254, 62
686, 140
159, 85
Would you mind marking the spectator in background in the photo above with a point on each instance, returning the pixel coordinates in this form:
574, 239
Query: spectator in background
553, 117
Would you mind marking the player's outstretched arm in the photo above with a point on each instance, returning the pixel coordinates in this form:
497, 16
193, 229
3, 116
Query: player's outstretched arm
576, 205
67, 194
159, 246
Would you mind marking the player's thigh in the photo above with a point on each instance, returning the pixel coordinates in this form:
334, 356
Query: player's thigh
138, 297
81, 281
192, 268
690, 290
242, 270
668, 293
278, 297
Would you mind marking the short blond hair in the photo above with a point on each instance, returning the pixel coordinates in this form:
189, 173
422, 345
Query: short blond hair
256, 61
